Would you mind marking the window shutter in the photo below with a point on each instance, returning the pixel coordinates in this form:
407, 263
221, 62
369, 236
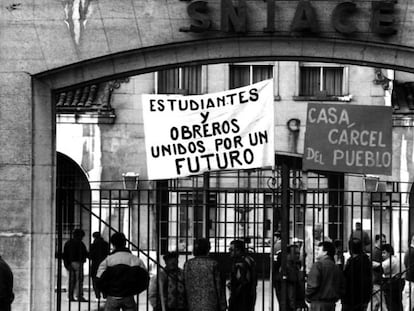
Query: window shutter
191, 80
309, 81
332, 81
262, 72
168, 81
239, 76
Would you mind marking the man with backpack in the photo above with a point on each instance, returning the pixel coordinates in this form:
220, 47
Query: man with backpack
243, 278
120, 276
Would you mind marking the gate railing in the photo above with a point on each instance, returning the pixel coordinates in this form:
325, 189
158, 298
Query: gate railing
159, 219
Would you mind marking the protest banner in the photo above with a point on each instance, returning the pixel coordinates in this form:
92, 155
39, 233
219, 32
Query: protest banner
189, 135
348, 138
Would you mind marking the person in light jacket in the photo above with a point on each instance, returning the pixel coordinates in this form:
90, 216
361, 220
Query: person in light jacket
120, 276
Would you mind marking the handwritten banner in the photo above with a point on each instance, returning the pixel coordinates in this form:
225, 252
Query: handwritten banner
348, 138
189, 135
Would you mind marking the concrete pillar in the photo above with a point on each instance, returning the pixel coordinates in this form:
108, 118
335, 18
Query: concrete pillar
43, 198
26, 179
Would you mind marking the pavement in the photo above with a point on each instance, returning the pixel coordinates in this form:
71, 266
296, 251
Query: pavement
264, 301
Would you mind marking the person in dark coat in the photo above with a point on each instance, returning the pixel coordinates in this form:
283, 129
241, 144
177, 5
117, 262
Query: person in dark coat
362, 235
243, 278
277, 263
74, 256
326, 283
358, 278
171, 285
378, 298
295, 283
98, 251
409, 277
6, 286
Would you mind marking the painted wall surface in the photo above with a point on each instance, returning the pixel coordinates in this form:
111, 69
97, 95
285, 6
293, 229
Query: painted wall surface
45, 34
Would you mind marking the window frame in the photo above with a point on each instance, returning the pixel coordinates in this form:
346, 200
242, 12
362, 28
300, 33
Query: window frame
275, 74
180, 90
345, 83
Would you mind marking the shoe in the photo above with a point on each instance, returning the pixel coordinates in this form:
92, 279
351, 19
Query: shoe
82, 299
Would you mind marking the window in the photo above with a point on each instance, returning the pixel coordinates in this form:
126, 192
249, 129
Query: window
186, 219
242, 75
183, 80
321, 81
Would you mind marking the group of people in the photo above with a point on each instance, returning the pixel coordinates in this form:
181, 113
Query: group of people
117, 276
361, 283
75, 255
200, 285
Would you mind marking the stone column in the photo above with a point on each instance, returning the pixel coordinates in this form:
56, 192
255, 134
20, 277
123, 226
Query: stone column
26, 188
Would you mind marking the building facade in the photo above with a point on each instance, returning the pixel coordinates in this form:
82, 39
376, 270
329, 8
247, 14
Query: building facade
49, 47
100, 127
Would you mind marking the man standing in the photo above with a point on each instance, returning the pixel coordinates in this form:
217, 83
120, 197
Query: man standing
409, 278
378, 299
295, 283
277, 263
171, 285
74, 256
6, 286
243, 278
120, 276
325, 280
393, 278
358, 279
98, 251
362, 235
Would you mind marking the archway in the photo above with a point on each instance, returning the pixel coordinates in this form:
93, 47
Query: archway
195, 52
73, 194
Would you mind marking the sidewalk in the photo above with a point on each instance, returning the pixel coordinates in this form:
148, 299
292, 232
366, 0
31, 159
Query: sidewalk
264, 301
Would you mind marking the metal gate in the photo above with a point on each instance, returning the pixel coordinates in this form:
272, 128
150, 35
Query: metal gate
254, 206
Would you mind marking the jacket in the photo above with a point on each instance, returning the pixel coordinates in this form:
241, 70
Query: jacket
358, 281
122, 274
325, 281
409, 264
74, 251
6, 284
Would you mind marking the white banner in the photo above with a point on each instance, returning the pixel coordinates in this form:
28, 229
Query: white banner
188, 135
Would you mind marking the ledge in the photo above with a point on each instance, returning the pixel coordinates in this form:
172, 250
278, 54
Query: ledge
86, 118
406, 120
344, 98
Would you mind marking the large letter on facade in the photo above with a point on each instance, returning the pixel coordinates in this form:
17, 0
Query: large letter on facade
231, 16
197, 10
339, 15
305, 18
382, 20
270, 16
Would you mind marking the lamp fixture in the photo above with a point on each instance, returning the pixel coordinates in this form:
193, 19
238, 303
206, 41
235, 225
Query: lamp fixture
130, 180
370, 183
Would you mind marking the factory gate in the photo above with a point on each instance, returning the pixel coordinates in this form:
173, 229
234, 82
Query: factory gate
254, 206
